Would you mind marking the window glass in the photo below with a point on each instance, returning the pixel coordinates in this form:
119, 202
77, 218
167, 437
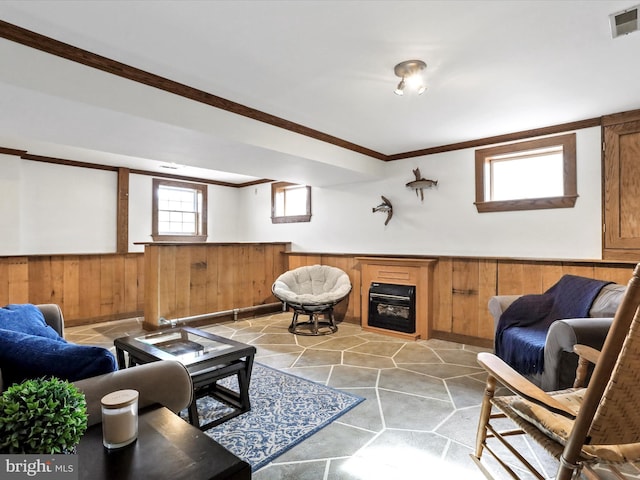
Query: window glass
177, 210
534, 175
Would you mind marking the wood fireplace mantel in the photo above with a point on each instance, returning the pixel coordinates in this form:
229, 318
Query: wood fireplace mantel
400, 271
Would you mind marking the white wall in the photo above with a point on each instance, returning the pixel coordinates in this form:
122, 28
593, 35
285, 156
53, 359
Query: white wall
49, 208
9, 204
222, 214
447, 223
139, 211
57, 209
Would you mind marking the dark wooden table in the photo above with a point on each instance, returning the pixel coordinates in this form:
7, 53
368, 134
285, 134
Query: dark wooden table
208, 358
167, 448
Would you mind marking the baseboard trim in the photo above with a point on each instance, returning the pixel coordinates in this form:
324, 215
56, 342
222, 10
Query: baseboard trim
466, 339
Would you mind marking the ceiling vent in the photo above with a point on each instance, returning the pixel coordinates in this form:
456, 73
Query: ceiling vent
624, 22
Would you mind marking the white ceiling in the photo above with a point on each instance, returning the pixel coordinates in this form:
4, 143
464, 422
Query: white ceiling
494, 67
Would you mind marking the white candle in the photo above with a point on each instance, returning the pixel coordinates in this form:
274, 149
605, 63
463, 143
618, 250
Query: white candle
119, 418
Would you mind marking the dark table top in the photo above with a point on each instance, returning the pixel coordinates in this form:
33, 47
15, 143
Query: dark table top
167, 447
190, 346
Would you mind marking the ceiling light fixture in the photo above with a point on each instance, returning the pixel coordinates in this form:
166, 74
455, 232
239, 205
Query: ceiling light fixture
410, 73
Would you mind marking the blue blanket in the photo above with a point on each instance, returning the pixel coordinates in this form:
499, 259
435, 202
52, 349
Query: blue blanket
522, 328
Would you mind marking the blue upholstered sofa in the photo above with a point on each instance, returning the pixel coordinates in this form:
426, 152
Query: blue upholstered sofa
165, 382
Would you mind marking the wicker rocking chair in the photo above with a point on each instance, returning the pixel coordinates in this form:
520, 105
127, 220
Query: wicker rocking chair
579, 426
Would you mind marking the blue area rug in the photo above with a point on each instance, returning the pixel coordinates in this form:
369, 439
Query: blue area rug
285, 410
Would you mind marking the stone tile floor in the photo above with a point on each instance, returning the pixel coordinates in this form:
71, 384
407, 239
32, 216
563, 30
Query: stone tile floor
420, 415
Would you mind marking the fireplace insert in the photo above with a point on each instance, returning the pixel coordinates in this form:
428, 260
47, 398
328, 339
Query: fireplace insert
392, 307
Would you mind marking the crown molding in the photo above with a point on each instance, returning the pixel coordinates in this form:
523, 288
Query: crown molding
49, 45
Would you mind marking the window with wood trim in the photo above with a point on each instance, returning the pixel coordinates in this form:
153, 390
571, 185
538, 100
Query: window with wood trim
530, 175
179, 211
290, 203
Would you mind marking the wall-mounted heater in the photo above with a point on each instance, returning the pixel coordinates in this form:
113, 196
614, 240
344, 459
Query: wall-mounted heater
624, 22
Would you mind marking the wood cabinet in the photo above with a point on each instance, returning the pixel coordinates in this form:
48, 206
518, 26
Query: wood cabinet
621, 188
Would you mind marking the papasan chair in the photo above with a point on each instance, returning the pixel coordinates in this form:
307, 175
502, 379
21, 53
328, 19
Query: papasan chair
312, 290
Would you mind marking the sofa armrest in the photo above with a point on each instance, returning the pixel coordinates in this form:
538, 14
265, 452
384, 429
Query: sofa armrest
166, 382
560, 361
498, 304
53, 316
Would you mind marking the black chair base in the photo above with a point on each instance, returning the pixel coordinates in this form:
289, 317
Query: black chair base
313, 326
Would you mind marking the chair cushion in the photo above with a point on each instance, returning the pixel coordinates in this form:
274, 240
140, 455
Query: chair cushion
24, 356
312, 285
559, 427
556, 426
26, 318
608, 300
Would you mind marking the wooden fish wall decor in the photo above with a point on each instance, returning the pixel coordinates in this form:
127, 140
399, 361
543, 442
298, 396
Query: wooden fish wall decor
419, 184
386, 207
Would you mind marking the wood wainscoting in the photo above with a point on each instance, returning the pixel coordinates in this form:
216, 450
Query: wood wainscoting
462, 287
194, 279
98, 287
347, 310
186, 280
88, 288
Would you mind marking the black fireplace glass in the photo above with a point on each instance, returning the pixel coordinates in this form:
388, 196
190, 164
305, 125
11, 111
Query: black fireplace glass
392, 307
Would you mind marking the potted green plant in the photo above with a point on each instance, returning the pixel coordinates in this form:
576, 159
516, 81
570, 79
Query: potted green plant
42, 416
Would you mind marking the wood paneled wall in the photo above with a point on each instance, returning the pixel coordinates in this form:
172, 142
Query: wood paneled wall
349, 309
88, 288
100, 287
462, 287
185, 280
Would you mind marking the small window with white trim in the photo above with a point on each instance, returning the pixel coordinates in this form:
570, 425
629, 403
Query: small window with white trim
179, 211
529, 175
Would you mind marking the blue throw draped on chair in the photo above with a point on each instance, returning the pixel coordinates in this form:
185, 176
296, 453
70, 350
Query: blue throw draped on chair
522, 328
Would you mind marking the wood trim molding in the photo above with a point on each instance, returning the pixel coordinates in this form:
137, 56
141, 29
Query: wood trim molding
622, 117
122, 227
570, 189
458, 338
49, 45
280, 187
69, 163
568, 201
201, 225
184, 178
508, 137
12, 151
97, 166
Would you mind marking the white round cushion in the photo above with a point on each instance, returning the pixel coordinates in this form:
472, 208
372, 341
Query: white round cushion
312, 285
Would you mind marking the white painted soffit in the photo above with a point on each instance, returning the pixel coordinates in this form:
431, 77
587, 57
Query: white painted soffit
58, 101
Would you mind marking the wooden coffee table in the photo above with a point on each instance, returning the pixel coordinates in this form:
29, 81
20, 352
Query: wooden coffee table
208, 358
167, 447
